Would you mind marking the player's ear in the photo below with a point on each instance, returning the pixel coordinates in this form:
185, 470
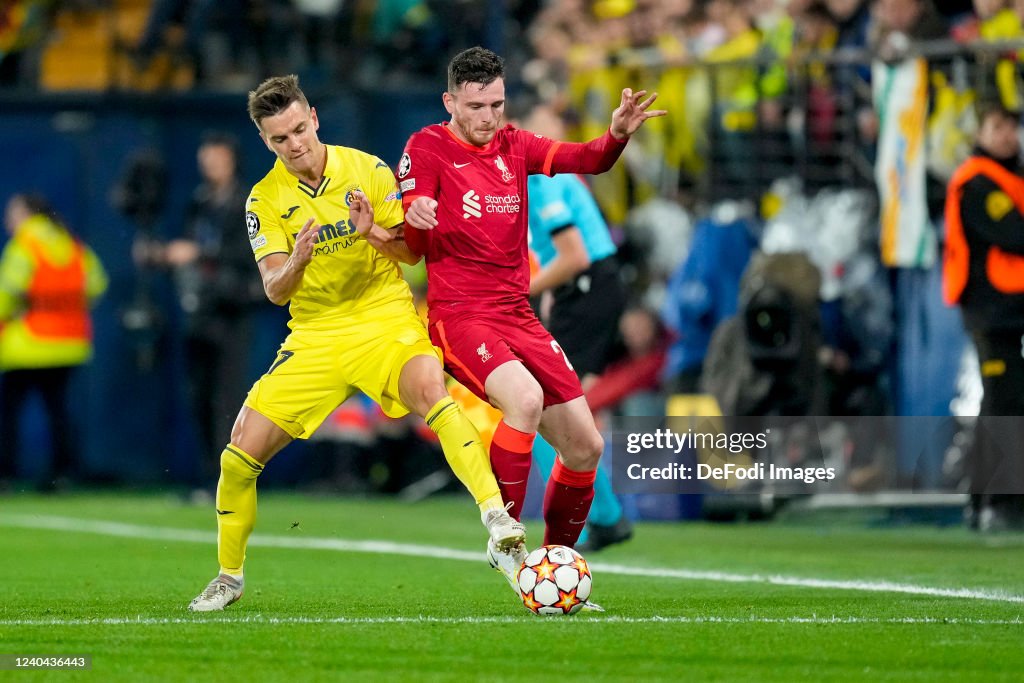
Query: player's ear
263, 136
316, 121
449, 102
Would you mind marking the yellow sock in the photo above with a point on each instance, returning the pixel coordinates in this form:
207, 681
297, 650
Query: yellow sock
465, 453
236, 507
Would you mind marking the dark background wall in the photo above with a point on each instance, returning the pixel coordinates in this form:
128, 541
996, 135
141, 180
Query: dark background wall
135, 423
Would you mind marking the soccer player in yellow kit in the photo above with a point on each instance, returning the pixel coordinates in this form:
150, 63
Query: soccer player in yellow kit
325, 227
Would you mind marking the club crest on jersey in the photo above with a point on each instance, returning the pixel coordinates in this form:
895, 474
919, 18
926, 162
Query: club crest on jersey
485, 355
349, 197
404, 166
252, 224
506, 174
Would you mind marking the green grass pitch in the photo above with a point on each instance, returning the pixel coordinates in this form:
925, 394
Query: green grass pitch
336, 590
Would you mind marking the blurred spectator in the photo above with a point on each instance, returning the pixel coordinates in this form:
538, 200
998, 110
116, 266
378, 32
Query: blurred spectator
49, 279
853, 18
23, 25
898, 23
218, 290
983, 272
995, 21
704, 291
240, 24
817, 34
735, 89
639, 371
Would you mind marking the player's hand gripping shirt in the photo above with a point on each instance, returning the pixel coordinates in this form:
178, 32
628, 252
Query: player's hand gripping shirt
346, 275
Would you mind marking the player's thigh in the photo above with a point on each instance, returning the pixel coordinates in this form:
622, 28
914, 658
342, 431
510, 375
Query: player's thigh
545, 359
473, 348
514, 391
570, 428
380, 346
302, 385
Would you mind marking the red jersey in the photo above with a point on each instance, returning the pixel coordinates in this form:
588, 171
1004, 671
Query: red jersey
477, 256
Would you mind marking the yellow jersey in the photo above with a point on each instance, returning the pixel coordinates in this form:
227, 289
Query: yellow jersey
346, 275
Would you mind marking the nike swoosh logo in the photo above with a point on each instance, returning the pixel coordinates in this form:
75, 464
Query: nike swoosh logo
573, 521
461, 165
225, 512
291, 210
511, 483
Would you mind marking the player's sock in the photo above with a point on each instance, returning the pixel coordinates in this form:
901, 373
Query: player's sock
465, 452
544, 456
566, 504
236, 507
510, 460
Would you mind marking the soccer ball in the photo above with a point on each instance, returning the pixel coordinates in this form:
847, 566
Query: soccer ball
554, 579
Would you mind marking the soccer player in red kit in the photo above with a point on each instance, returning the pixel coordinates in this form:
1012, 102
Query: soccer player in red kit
463, 185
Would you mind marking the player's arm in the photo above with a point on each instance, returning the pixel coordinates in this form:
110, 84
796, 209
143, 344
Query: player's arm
600, 154
390, 242
570, 260
282, 273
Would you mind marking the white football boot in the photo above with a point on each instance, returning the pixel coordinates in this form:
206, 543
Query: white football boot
507, 562
505, 531
218, 594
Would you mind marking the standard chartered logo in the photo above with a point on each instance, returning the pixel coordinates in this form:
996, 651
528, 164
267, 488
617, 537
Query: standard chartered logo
471, 205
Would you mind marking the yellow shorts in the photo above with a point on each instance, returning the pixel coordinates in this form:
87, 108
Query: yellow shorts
315, 371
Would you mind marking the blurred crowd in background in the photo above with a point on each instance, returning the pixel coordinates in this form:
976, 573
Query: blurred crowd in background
772, 262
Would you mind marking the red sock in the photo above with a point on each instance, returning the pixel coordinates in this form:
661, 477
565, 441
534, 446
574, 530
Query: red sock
511, 456
566, 504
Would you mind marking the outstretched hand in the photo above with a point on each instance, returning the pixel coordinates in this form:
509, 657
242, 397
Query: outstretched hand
632, 112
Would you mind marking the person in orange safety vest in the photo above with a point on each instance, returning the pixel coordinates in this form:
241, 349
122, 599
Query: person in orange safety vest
49, 280
983, 273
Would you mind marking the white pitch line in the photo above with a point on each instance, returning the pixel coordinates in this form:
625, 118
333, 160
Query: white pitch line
123, 530
593, 619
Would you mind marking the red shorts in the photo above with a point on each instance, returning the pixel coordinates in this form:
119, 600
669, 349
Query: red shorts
475, 344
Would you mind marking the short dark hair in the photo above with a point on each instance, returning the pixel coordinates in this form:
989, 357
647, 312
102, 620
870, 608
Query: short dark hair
219, 138
987, 108
273, 96
36, 204
475, 65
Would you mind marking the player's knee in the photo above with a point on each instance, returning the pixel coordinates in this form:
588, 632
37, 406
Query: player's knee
585, 454
426, 395
529, 405
593, 449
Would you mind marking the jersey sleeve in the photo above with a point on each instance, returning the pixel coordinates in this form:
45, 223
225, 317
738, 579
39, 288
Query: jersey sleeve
418, 171
384, 195
263, 225
538, 150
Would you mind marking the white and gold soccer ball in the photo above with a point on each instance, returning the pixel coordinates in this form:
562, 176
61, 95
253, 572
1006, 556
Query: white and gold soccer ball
554, 580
